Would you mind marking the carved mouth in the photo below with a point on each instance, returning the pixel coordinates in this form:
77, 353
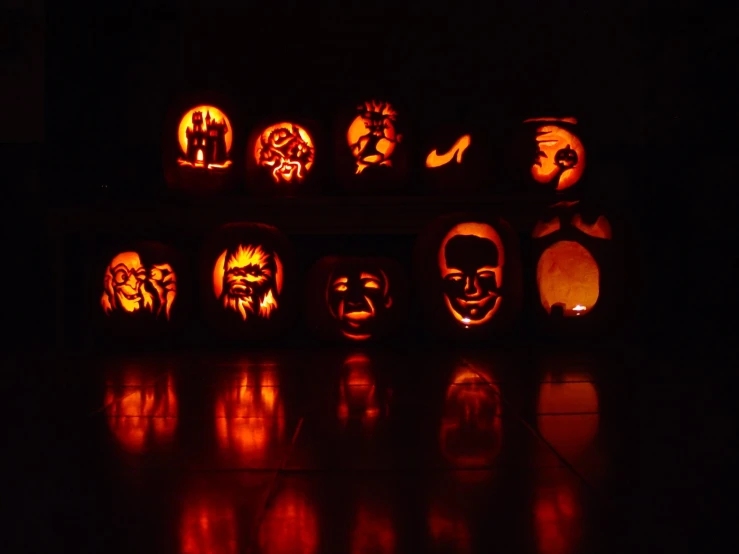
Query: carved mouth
357, 316
132, 297
240, 290
476, 302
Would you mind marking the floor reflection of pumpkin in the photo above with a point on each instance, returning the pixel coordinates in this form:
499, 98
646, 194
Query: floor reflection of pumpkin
290, 526
372, 533
557, 519
208, 527
567, 275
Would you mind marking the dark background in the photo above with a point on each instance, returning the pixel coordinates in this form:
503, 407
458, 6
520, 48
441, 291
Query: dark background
107, 80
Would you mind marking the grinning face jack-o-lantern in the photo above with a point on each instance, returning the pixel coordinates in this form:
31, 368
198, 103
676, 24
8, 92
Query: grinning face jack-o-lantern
205, 137
560, 155
130, 287
354, 296
248, 280
287, 150
568, 275
371, 136
471, 261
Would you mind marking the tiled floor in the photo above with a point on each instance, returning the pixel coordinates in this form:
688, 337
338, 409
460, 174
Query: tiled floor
327, 451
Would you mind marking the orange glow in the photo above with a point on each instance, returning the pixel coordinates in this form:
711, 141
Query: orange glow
568, 416
458, 148
250, 415
290, 526
448, 531
570, 120
372, 533
471, 428
557, 519
560, 157
146, 415
266, 280
544, 228
567, 276
357, 391
217, 116
287, 149
477, 300
208, 527
601, 229
371, 135
128, 286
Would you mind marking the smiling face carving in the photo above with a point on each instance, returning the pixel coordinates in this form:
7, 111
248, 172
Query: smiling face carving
560, 156
354, 296
248, 280
128, 286
471, 260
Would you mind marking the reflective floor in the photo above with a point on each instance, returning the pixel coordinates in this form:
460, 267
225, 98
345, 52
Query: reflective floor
327, 451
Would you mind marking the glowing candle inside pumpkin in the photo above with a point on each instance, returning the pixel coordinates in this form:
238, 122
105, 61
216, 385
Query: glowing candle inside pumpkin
568, 276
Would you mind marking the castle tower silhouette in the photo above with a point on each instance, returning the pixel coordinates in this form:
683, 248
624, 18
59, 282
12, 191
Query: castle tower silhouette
206, 140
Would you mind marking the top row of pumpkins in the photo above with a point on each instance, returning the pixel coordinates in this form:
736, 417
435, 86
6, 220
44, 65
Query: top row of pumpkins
284, 156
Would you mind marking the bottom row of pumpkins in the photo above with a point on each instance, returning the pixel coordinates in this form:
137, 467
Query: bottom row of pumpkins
470, 281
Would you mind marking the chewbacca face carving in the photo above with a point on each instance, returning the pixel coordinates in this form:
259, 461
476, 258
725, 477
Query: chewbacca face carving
248, 280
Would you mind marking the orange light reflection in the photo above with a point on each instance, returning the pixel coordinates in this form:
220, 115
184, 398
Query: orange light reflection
471, 428
208, 527
557, 519
372, 533
145, 415
290, 526
250, 415
448, 532
357, 391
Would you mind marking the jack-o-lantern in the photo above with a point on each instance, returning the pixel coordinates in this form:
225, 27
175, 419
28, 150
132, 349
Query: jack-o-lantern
451, 153
355, 299
471, 429
199, 146
141, 415
468, 274
574, 277
244, 281
280, 158
371, 147
548, 155
250, 417
138, 295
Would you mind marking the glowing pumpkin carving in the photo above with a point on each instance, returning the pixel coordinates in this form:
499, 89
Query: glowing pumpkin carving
469, 275
371, 147
281, 158
571, 256
355, 299
199, 141
244, 272
559, 158
139, 291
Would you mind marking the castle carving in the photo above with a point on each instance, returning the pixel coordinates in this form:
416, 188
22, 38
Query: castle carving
206, 141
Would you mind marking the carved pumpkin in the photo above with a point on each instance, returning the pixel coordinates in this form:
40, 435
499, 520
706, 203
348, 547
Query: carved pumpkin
141, 413
199, 146
355, 299
244, 280
571, 252
471, 429
371, 148
451, 153
558, 154
250, 416
469, 275
281, 158
138, 294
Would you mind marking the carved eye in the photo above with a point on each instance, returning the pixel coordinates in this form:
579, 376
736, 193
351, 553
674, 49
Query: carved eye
120, 276
544, 228
340, 287
371, 284
601, 229
455, 277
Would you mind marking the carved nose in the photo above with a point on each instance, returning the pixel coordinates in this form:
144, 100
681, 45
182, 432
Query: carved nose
471, 288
